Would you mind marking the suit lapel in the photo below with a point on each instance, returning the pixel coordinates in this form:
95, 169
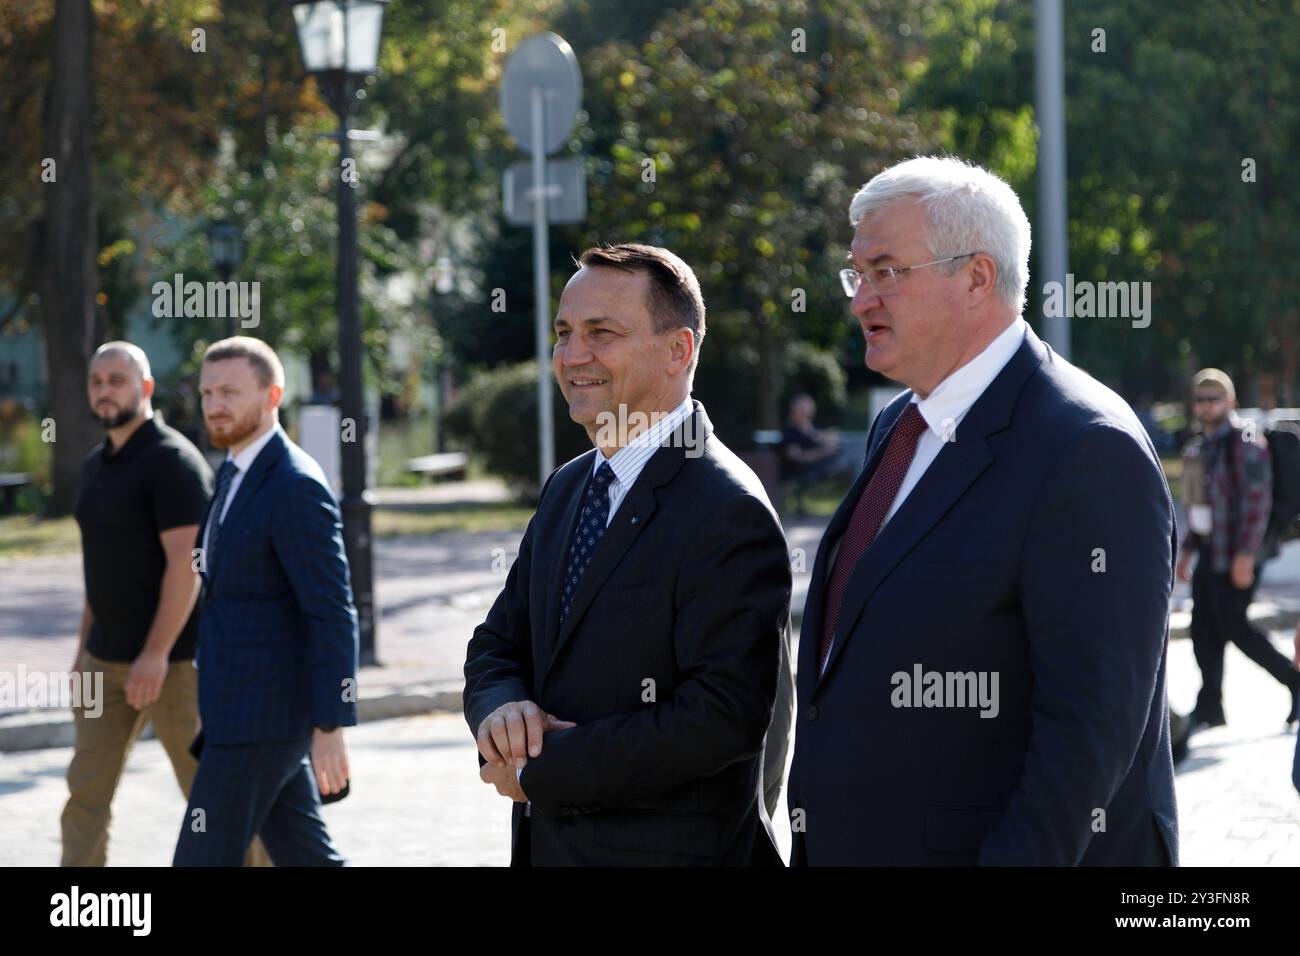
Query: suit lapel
257, 473
204, 570
555, 548
631, 518
957, 466
814, 603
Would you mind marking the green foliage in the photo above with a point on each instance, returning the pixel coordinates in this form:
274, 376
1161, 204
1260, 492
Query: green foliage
438, 92
716, 129
756, 145
728, 382
22, 451
815, 372
399, 442
286, 212
476, 337
1157, 128
495, 417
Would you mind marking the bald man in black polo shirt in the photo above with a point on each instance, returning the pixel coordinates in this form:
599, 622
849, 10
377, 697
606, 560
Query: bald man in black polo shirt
143, 493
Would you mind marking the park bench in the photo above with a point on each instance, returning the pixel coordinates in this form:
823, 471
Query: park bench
445, 465
780, 477
10, 485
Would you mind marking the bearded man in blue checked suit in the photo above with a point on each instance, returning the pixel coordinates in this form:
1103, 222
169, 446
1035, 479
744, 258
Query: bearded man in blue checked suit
277, 652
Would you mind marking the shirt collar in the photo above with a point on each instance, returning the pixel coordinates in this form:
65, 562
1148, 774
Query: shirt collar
628, 461
1225, 428
953, 397
244, 460
145, 433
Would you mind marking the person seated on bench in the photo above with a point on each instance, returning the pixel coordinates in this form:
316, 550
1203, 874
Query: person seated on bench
808, 453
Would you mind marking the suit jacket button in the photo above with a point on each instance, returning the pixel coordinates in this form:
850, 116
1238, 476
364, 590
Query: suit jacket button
811, 712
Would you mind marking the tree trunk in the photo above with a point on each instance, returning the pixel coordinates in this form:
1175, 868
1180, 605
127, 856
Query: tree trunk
68, 280
769, 377
318, 364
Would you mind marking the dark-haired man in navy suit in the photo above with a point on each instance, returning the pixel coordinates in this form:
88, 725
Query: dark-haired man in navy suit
981, 673
623, 686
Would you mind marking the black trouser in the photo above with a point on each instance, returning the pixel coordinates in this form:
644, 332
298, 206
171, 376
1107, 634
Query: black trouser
1218, 616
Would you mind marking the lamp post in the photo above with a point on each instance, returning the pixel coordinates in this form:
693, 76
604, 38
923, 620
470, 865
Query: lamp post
1051, 231
339, 40
226, 247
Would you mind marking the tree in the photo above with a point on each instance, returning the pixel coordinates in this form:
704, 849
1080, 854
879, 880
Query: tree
192, 107
150, 101
735, 132
67, 275
1163, 113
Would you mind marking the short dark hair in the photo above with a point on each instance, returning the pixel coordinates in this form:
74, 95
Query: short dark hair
675, 300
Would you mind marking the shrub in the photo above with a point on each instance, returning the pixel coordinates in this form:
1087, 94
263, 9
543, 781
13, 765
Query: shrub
495, 418
495, 415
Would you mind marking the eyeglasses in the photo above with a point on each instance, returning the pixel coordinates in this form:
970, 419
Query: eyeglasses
1207, 399
884, 281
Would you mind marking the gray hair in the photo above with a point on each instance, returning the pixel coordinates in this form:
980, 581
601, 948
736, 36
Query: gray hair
969, 209
128, 350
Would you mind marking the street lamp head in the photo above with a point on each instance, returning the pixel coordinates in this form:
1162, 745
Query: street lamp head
339, 36
226, 246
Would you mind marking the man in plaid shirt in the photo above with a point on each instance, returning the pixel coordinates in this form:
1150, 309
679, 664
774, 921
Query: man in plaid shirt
1228, 494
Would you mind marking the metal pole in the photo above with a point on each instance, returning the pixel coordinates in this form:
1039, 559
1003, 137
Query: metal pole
1049, 105
542, 295
226, 273
356, 503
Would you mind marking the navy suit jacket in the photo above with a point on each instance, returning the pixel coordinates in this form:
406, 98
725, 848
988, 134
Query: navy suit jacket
278, 635
688, 595
1039, 545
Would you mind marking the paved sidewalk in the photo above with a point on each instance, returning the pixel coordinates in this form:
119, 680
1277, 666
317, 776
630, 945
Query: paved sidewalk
416, 798
432, 590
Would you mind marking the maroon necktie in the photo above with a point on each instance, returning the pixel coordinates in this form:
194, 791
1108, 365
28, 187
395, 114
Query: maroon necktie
868, 516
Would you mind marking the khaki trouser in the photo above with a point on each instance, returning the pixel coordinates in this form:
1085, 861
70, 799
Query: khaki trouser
104, 743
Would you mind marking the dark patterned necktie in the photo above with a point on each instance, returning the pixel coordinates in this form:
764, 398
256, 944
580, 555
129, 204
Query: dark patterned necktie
868, 516
590, 529
225, 475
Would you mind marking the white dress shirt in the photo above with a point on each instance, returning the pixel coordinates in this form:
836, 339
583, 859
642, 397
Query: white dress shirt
243, 461
629, 460
945, 407
627, 465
